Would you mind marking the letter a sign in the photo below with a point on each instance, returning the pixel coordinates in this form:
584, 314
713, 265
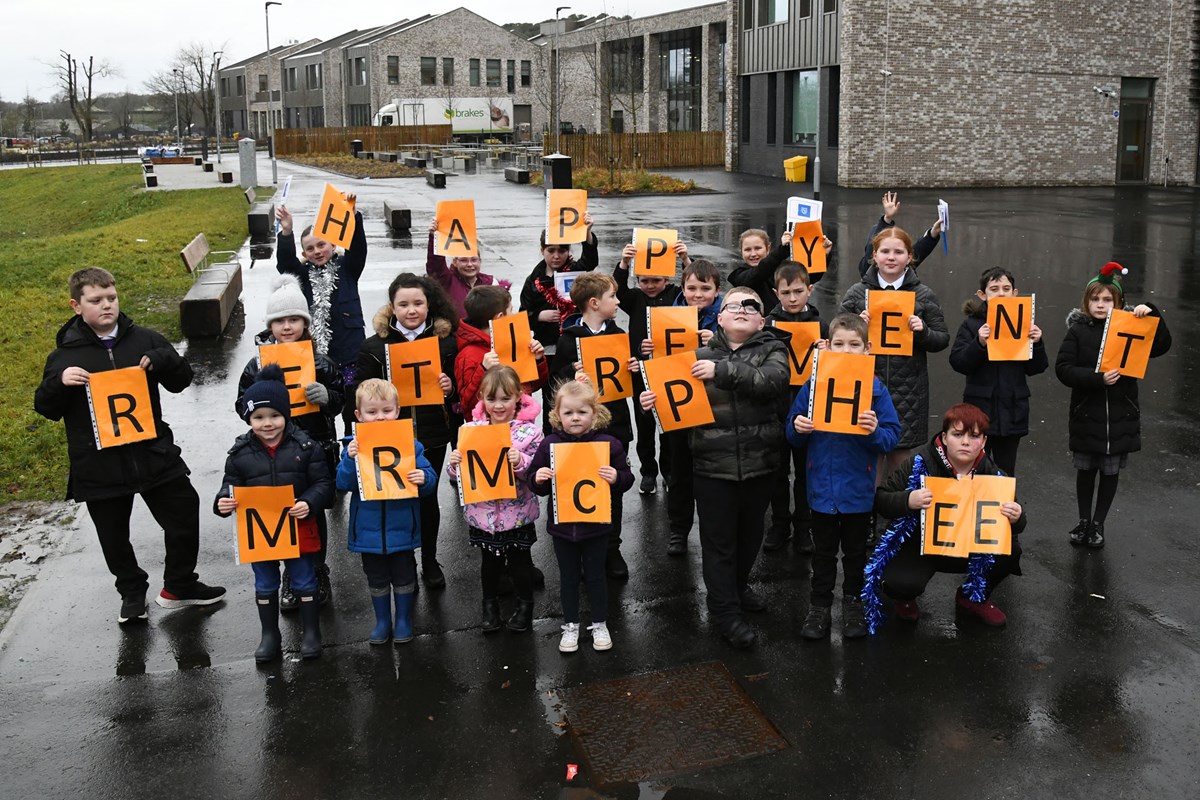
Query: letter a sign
485, 472
387, 452
265, 532
335, 218
119, 401
455, 234
580, 494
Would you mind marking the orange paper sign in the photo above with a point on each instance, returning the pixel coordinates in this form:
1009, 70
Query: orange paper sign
605, 359
564, 216
455, 235
680, 399
808, 246
1127, 343
841, 388
413, 368
485, 472
119, 400
265, 532
335, 218
579, 493
801, 346
965, 517
299, 370
655, 252
511, 337
673, 329
1010, 319
888, 330
387, 452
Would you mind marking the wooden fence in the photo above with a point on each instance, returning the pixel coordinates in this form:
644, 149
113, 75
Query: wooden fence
305, 141
643, 150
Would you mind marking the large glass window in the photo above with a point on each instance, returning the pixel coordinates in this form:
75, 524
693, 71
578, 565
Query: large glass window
802, 108
510, 75
627, 65
316, 117
239, 81
359, 72
833, 90
312, 78
718, 123
447, 71
493, 72
428, 71
830, 6
772, 106
526, 73
262, 82
360, 114
772, 11
680, 71
474, 71
393, 70
289, 79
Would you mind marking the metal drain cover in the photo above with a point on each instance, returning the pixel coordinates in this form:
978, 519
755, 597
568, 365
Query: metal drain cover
665, 723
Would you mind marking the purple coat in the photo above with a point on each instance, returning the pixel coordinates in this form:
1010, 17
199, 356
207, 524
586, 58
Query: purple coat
437, 268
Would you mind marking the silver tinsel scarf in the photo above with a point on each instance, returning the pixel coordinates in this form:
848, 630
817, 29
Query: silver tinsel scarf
323, 281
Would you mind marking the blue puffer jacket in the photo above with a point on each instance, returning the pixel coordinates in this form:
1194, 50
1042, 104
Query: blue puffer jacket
384, 526
841, 466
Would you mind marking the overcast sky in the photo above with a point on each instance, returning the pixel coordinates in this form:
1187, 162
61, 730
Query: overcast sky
139, 38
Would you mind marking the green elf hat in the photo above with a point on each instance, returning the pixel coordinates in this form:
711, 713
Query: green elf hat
1108, 275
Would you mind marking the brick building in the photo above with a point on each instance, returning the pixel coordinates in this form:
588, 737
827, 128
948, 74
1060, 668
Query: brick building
967, 92
243, 90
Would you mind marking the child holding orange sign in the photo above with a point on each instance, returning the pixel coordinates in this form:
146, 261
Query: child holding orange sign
274, 452
1104, 422
99, 338
503, 530
581, 548
906, 377
999, 388
541, 300
288, 321
463, 273
418, 309
386, 532
897, 563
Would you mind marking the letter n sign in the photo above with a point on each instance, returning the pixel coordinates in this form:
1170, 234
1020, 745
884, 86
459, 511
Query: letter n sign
119, 402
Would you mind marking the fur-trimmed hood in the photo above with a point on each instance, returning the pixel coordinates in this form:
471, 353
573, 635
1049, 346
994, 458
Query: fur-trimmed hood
1076, 316
528, 410
382, 323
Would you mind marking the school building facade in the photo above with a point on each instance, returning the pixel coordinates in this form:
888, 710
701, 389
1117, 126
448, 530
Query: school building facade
967, 92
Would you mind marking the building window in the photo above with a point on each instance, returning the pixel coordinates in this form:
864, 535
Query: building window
428, 71
474, 71
801, 122
447, 71
493, 72
262, 83
510, 75
804, 9
240, 83
744, 107
834, 93
627, 65
618, 121
679, 61
830, 6
359, 71
312, 76
526, 74
393, 70
224, 87
772, 106
316, 117
359, 114
289, 80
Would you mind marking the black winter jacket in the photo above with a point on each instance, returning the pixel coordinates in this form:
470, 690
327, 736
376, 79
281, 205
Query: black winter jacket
431, 423
1102, 420
998, 388
617, 458
907, 377
114, 471
634, 302
807, 314
562, 369
319, 425
345, 306
761, 278
533, 302
921, 248
299, 462
746, 394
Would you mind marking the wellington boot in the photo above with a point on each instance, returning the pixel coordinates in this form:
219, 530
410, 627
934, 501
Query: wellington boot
310, 618
522, 617
403, 632
382, 603
491, 615
271, 644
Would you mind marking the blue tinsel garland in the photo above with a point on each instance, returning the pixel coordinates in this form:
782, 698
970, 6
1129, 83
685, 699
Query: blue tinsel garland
978, 565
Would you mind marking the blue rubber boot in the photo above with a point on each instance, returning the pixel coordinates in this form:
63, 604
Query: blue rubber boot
403, 632
382, 602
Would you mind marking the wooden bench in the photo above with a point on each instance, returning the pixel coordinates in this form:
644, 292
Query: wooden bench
206, 308
225, 176
151, 180
397, 217
148, 167
516, 175
435, 178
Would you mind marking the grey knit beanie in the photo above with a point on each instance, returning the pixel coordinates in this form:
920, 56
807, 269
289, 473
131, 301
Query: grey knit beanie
287, 300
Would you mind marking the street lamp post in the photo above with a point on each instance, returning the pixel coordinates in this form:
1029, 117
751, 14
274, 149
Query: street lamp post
817, 157
178, 130
270, 73
556, 111
216, 86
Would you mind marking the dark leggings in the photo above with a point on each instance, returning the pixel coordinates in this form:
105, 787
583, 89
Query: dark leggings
907, 574
520, 568
1085, 483
584, 558
431, 513
831, 532
1003, 450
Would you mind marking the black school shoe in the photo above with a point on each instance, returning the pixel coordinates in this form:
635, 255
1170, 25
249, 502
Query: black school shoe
1095, 539
854, 618
1079, 534
616, 567
133, 608
649, 485
198, 594
775, 539
739, 634
817, 623
752, 601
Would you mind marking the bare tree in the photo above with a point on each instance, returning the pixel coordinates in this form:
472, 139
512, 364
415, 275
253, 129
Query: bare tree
31, 113
78, 84
195, 62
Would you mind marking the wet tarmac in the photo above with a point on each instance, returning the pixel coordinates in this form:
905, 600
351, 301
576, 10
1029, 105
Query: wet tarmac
1088, 693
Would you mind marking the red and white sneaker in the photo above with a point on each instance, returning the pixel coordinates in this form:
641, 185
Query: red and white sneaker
986, 611
198, 594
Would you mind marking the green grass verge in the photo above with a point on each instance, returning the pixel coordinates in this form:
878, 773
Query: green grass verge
58, 220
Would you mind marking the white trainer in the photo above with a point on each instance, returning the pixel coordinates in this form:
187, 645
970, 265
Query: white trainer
569, 642
601, 640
